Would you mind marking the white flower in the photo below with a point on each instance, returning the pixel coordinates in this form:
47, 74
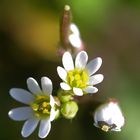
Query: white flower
40, 109
79, 77
74, 37
109, 117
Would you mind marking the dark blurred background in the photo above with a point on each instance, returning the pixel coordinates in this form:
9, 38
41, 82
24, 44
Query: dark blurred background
29, 38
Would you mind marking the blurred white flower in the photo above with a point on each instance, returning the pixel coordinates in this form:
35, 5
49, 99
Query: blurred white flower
109, 117
74, 37
40, 109
80, 78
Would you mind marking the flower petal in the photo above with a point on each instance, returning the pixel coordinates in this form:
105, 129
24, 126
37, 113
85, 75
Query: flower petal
81, 59
116, 129
95, 79
67, 61
33, 86
62, 73
75, 40
91, 89
78, 91
98, 116
65, 86
53, 111
53, 114
44, 129
46, 84
29, 126
94, 65
74, 29
20, 113
21, 95
52, 101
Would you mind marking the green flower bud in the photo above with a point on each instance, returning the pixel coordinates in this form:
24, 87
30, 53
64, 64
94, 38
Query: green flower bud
64, 96
57, 115
69, 109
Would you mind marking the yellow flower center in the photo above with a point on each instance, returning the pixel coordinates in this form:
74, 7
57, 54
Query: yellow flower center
78, 78
105, 128
41, 106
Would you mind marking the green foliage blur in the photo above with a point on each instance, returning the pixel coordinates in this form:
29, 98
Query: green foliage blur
29, 38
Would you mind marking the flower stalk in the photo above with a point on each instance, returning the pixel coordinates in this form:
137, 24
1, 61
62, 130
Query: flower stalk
65, 22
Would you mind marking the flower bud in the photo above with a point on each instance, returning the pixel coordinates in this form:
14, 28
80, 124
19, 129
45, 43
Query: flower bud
69, 109
64, 96
109, 117
57, 114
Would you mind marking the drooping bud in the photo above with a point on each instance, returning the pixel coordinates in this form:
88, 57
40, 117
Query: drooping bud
109, 117
69, 109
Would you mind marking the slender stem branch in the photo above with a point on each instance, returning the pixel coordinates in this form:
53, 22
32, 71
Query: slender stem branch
64, 27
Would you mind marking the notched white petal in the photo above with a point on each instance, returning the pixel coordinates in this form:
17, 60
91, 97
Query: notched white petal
91, 89
20, 113
44, 128
65, 86
21, 95
81, 59
67, 61
29, 127
46, 84
95, 79
94, 65
62, 73
77, 91
33, 86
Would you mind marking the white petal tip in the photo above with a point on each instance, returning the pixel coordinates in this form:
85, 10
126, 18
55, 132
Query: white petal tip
23, 135
67, 61
62, 73
44, 128
116, 130
75, 40
101, 77
12, 92
46, 84
91, 90
30, 78
78, 91
65, 86
10, 114
94, 65
99, 59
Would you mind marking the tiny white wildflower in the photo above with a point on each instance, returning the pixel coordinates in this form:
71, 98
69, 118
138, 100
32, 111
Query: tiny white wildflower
109, 117
41, 107
79, 77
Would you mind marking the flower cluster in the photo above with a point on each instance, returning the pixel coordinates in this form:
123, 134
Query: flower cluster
43, 107
78, 79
